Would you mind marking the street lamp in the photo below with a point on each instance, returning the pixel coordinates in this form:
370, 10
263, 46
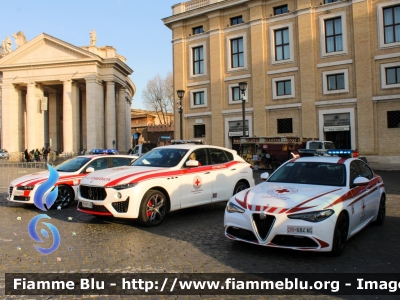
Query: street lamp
180, 93
243, 87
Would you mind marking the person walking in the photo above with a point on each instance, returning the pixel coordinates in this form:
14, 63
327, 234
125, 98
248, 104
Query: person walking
37, 155
46, 152
27, 156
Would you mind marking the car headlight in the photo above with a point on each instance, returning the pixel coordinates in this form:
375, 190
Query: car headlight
26, 187
124, 186
233, 208
315, 216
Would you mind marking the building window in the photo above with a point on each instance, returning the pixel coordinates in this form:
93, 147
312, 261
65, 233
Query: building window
330, 1
393, 119
281, 40
198, 98
235, 93
285, 125
198, 60
335, 82
393, 75
391, 24
199, 131
197, 30
236, 20
283, 88
237, 53
281, 9
282, 50
333, 35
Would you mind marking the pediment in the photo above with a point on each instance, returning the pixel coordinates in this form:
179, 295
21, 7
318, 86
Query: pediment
45, 49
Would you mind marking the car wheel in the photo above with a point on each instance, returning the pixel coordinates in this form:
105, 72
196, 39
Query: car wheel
340, 235
382, 212
240, 186
64, 198
153, 208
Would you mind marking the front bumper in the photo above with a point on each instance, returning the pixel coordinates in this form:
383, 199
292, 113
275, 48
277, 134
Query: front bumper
277, 230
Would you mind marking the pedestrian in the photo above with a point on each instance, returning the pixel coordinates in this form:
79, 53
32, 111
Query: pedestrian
27, 156
46, 153
37, 155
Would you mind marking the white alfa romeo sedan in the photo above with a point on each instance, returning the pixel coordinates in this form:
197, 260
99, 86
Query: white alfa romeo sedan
71, 172
311, 203
165, 179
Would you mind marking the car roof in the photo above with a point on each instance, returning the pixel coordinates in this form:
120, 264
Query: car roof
194, 146
326, 159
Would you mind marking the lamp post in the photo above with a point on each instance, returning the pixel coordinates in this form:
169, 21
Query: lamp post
180, 93
243, 87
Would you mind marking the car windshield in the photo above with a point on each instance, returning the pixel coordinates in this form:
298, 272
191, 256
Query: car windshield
72, 165
316, 173
167, 158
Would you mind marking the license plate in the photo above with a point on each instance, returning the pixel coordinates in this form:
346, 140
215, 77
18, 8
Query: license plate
87, 204
300, 229
18, 193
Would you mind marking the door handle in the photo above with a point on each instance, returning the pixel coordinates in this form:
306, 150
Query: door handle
233, 169
207, 173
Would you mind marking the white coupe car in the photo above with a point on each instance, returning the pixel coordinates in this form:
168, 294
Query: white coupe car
312, 203
23, 189
163, 180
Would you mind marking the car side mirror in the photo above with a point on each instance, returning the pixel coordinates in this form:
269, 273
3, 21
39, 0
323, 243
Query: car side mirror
192, 163
90, 170
264, 176
360, 181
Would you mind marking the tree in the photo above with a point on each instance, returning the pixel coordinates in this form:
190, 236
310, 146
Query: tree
159, 96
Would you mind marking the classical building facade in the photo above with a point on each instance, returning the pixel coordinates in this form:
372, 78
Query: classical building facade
324, 69
63, 96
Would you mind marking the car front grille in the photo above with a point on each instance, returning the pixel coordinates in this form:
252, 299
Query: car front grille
294, 241
121, 206
263, 224
10, 190
96, 208
242, 234
92, 192
21, 198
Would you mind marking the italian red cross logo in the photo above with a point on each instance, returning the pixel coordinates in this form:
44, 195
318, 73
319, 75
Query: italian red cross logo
197, 182
282, 191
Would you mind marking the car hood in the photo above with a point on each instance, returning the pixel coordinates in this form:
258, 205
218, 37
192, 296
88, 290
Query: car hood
40, 177
122, 175
288, 198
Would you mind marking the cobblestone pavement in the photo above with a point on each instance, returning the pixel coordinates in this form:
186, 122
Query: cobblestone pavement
189, 240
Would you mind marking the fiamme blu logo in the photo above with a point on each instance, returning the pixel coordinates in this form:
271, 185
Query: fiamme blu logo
46, 193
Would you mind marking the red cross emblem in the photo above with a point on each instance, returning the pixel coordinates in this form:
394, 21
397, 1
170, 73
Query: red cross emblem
282, 191
197, 182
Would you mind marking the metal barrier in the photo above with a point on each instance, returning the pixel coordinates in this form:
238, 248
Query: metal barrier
12, 170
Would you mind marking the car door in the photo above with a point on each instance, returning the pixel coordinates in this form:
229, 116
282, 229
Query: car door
373, 191
196, 182
224, 176
361, 199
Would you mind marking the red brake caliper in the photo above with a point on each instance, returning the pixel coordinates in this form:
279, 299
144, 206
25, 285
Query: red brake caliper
149, 212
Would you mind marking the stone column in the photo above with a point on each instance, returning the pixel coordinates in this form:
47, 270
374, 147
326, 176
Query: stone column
128, 126
40, 125
10, 118
75, 118
110, 118
100, 114
121, 121
67, 117
31, 113
53, 118
84, 122
91, 115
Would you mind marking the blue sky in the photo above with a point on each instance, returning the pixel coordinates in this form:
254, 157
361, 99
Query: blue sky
133, 27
